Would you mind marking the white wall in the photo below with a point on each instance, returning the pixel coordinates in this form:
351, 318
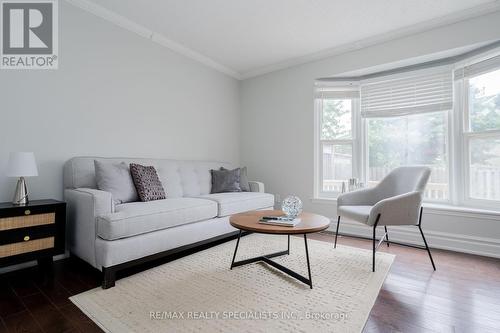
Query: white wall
114, 94
277, 130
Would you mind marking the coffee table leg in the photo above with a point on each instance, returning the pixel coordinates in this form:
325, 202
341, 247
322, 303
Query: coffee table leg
267, 259
236, 249
308, 265
288, 251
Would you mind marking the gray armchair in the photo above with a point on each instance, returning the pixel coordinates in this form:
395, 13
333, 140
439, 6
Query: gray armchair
396, 200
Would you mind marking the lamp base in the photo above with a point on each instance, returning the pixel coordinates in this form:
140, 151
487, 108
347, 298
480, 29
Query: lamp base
21, 195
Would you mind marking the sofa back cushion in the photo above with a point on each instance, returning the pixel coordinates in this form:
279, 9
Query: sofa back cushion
179, 178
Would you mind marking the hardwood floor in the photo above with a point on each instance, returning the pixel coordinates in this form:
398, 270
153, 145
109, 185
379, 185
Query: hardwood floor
463, 295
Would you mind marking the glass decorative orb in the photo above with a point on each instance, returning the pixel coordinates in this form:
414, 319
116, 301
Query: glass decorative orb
291, 206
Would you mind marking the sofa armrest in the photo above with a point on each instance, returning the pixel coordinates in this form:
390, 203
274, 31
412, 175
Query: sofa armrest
84, 206
256, 186
102, 200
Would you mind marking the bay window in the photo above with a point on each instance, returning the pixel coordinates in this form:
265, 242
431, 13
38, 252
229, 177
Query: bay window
445, 117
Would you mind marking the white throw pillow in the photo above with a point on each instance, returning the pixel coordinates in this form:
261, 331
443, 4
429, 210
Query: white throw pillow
116, 179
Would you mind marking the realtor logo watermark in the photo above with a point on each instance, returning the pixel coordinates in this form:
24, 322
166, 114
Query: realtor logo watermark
29, 35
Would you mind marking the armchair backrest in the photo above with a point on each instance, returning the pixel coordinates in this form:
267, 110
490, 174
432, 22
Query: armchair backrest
403, 180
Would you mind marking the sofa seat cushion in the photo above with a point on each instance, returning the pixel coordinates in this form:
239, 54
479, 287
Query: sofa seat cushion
137, 218
238, 202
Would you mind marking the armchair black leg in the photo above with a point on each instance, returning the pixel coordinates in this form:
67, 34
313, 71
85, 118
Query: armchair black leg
423, 237
386, 236
336, 233
374, 249
427, 247
374, 240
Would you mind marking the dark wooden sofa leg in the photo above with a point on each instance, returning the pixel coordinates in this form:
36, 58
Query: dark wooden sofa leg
109, 277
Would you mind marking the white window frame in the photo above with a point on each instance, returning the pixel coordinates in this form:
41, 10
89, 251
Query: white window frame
466, 136
318, 142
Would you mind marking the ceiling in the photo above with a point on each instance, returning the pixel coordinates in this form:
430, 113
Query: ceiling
250, 37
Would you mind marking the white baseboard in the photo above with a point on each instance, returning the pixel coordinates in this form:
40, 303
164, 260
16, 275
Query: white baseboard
440, 240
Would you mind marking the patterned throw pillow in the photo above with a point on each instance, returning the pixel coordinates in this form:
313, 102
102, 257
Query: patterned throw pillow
147, 183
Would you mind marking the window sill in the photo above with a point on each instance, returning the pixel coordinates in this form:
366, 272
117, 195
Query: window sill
460, 210
434, 208
324, 201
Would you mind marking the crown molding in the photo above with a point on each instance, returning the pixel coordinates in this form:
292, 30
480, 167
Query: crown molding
155, 37
463, 15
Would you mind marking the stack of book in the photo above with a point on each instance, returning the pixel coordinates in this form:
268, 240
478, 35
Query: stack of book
280, 220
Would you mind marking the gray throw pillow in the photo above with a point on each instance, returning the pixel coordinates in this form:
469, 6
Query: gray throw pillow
147, 182
244, 184
225, 181
115, 178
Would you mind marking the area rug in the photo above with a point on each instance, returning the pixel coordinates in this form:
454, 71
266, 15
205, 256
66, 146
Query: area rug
199, 293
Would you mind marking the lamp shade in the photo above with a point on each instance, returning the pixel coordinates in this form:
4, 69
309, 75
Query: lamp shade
22, 164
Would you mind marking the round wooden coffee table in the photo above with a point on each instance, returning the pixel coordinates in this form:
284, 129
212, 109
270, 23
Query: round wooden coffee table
249, 221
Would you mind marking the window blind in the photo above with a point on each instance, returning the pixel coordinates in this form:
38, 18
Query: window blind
411, 93
478, 68
332, 92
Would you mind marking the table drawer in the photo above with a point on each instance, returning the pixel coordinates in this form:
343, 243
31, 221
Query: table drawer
27, 246
26, 234
28, 220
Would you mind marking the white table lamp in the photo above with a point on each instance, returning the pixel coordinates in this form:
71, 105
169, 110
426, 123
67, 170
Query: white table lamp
21, 164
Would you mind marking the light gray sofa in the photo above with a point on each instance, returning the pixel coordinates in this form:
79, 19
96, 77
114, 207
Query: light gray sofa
112, 237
